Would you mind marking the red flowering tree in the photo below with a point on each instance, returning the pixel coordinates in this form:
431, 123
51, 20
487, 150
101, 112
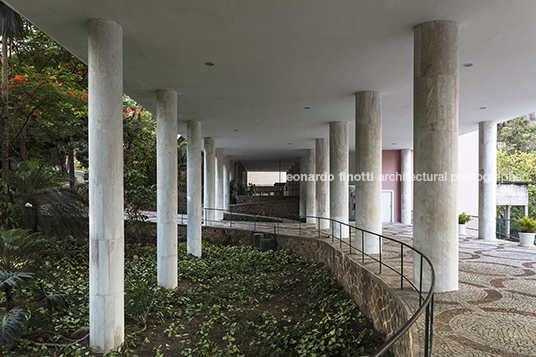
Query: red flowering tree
47, 101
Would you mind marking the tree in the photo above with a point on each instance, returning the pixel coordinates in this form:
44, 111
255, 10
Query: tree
11, 26
519, 166
517, 135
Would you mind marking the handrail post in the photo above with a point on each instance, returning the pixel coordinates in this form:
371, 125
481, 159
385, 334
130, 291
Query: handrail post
401, 267
426, 330
340, 234
300, 224
350, 238
362, 246
318, 223
380, 245
420, 284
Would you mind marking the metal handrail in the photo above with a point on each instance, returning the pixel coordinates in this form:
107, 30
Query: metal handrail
426, 304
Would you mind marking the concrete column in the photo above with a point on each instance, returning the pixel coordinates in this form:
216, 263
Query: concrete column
166, 183
296, 184
106, 234
435, 208
405, 186
322, 185
226, 180
487, 186
303, 186
219, 183
507, 222
210, 180
310, 201
338, 167
193, 190
368, 162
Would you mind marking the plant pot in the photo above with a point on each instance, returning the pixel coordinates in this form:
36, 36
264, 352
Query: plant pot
257, 237
526, 239
461, 229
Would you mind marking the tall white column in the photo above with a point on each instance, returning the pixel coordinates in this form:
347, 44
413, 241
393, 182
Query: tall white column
322, 184
296, 184
303, 186
210, 179
310, 202
487, 186
405, 186
368, 162
166, 192
219, 183
193, 190
106, 235
226, 180
338, 167
435, 208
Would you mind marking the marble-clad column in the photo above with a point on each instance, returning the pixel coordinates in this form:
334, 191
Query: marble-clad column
487, 185
368, 162
194, 188
303, 186
435, 208
405, 186
310, 186
338, 167
167, 192
226, 180
219, 184
210, 180
322, 183
106, 226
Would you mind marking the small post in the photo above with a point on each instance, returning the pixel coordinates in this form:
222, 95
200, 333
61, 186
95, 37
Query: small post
401, 266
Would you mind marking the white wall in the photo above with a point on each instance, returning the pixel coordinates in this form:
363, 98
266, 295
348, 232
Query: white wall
263, 178
468, 167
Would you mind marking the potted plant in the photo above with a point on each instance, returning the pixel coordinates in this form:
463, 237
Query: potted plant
462, 220
526, 226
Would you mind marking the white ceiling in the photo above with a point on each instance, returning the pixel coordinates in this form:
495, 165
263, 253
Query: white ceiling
274, 57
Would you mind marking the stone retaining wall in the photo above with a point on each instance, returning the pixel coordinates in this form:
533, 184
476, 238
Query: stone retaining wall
289, 206
374, 298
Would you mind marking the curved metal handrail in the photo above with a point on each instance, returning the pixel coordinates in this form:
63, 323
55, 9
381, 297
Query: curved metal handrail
425, 303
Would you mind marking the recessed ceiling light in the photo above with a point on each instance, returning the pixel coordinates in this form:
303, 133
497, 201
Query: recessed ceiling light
306, 107
393, 143
236, 130
483, 107
466, 65
290, 143
245, 152
210, 64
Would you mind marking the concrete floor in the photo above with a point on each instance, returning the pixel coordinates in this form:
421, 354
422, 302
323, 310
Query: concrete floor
494, 311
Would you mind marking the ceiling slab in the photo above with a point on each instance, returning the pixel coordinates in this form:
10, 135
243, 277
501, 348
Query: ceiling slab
272, 59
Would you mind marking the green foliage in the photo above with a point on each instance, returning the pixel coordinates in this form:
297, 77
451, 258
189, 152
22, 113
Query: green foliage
24, 279
517, 135
48, 99
43, 201
463, 218
7, 212
525, 224
232, 302
519, 167
12, 325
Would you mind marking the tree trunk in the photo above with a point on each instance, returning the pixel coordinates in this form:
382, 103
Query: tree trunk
71, 162
5, 111
23, 150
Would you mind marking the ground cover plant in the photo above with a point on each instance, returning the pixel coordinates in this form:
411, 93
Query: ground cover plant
235, 301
